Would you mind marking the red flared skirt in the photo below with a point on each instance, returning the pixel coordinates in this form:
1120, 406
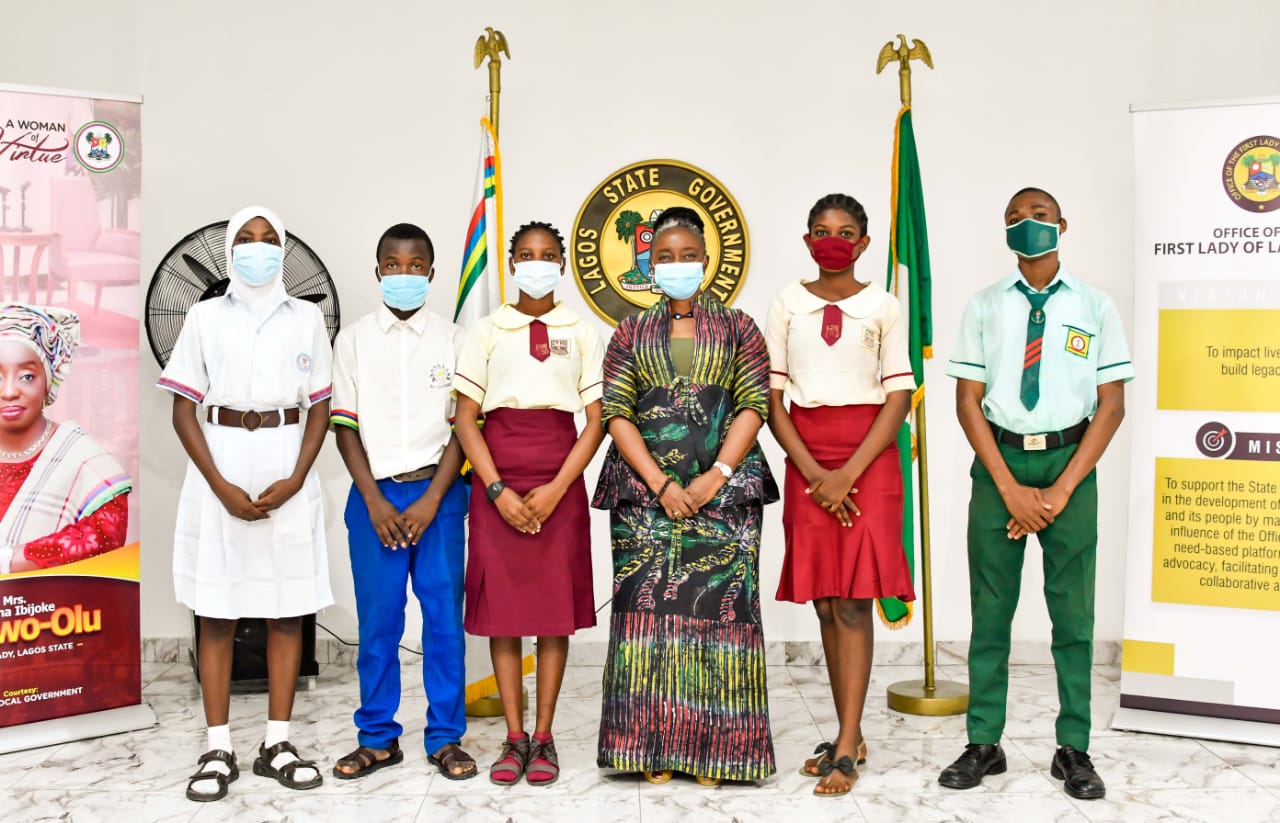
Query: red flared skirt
526, 585
824, 558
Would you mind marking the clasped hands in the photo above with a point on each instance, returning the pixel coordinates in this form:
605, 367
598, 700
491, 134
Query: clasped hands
238, 503
681, 501
527, 514
1033, 509
833, 491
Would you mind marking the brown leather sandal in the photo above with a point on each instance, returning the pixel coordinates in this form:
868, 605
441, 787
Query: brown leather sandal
285, 774
543, 764
221, 756
366, 761
509, 767
451, 756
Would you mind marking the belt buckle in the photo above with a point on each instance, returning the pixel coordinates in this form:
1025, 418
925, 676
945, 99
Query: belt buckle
244, 420
1034, 442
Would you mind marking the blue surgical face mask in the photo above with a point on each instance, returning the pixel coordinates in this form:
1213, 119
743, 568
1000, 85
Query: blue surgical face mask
537, 278
406, 292
679, 281
1030, 238
257, 263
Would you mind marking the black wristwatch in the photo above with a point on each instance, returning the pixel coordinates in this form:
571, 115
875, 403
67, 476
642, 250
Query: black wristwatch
494, 490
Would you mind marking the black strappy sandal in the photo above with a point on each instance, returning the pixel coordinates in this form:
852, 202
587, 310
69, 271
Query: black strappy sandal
284, 775
213, 774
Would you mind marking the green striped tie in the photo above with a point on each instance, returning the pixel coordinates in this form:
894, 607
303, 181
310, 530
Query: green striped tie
1035, 339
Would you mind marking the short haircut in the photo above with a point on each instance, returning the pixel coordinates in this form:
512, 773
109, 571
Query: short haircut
536, 225
1035, 190
406, 231
679, 217
844, 203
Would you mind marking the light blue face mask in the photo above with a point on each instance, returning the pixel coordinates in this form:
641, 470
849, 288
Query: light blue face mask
537, 278
257, 263
405, 292
679, 281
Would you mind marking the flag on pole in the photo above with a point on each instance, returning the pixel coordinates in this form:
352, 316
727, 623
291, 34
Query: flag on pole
480, 285
909, 261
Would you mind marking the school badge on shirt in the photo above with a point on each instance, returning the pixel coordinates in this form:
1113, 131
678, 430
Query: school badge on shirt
1078, 342
441, 376
559, 348
870, 339
303, 363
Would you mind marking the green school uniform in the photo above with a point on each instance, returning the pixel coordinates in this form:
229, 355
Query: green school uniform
1083, 347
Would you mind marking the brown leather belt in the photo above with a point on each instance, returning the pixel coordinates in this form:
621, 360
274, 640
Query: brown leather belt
252, 420
424, 473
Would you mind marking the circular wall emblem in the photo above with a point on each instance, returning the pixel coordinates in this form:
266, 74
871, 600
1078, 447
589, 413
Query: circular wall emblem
1250, 174
1214, 440
99, 146
614, 230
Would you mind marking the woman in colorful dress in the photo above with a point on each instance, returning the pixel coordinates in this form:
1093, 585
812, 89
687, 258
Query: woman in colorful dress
686, 392
838, 349
63, 498
529, 367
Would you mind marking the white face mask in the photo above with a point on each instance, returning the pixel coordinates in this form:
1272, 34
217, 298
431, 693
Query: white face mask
537, 278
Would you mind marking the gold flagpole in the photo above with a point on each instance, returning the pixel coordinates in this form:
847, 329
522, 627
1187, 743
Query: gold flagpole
493, 44
928, 696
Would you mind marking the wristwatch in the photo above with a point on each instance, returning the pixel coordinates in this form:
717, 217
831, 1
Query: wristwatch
724, 468
494, 490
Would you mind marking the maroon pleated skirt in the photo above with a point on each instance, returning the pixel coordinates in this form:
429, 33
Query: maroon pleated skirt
526, 585
824, 558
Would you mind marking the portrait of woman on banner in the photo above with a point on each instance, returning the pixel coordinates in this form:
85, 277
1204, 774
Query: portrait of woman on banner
63, 498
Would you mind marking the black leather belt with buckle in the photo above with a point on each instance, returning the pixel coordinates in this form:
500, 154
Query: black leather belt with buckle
424, 473
252, 420
1041, 442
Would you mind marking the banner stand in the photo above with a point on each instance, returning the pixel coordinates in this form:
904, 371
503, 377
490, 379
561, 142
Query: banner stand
1191, 725
76, 727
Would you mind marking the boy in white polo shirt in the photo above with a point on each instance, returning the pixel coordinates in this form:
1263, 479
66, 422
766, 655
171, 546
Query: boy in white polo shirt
393, 377
1041, 364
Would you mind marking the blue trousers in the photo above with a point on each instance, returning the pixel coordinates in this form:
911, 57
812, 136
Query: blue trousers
434, 567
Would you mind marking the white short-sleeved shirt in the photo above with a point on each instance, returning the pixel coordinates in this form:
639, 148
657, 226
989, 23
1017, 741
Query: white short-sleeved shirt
862, 367
392, 382
229, 355
496, 370
1083, 348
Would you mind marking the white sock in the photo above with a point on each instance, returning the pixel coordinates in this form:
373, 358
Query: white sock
219, 738
278, 732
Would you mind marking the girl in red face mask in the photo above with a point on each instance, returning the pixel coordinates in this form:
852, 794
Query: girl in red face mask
838, 348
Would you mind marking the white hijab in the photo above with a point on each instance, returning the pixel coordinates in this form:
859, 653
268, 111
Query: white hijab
269, 294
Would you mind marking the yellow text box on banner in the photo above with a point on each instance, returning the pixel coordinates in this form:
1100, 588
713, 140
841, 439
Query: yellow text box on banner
1217, 533
1224, 359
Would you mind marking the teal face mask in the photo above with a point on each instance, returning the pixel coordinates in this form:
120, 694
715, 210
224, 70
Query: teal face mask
1030, 238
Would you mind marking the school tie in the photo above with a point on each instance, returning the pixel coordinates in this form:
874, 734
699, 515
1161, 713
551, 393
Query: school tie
539, 346
832, 323
1035, 341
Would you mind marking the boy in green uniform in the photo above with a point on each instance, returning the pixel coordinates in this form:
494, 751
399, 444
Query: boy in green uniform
1041, 364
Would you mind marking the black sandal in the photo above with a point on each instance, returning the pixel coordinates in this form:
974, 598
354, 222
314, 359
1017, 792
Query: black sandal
366, 761
844, 765
284, 775
213, 774
451, 755
824, 752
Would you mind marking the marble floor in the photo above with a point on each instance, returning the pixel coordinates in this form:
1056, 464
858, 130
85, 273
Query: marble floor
140, 777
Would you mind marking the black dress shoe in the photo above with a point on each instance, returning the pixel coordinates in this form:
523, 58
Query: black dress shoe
978, 760
1075, 769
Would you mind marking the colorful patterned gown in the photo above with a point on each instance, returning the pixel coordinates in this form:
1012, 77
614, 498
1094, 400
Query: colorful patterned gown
684, 683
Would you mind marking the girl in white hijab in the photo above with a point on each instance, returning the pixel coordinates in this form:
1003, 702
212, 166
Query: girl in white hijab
249, 540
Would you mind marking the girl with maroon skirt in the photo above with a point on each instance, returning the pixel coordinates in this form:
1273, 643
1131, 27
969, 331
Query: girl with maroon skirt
529, 368
837, 347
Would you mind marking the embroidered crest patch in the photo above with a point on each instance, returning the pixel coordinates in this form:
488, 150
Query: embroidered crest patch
303, 363
870, 339
559, 348
441, 376
1078, 342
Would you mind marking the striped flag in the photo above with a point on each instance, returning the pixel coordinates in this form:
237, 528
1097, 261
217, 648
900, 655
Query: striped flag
480, 285
909, 261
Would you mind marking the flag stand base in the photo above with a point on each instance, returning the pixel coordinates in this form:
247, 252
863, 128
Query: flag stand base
491, 706
945, 698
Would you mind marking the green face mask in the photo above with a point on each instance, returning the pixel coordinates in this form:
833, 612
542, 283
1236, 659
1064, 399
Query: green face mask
1030, 238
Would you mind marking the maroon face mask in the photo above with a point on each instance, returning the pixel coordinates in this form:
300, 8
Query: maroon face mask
833, 253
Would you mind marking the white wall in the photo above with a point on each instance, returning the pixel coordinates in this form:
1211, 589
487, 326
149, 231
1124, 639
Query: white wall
346, 119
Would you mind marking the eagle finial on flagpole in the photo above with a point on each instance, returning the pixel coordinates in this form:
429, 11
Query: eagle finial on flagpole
904, 56
492, 44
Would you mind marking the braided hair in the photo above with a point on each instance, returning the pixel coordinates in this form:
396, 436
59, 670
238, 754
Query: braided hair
844, 203
536, 225
681, 217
